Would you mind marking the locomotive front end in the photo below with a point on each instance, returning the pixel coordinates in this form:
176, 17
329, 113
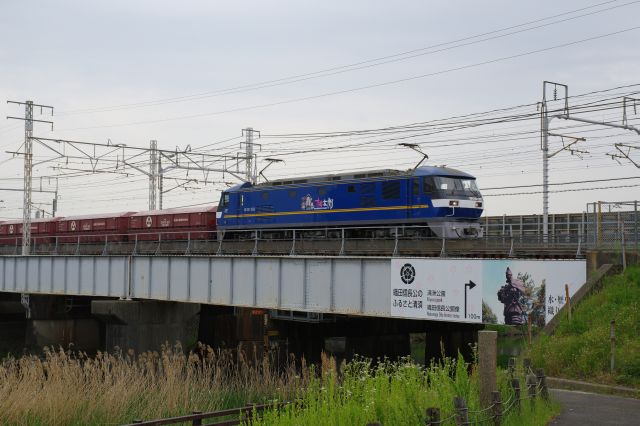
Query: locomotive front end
456, 201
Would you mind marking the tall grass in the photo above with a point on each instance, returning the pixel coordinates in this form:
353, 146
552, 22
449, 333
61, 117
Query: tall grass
63, 388
397, 394
580, 348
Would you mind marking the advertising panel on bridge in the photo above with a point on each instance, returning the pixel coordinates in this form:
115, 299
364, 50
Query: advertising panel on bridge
483, 290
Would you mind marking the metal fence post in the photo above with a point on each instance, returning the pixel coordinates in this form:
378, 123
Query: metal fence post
515, 384
542, 383
635, 224
512, 367
433, 417
254, 252
188, 250
532, 383
220, 236
612, 337
624, 250
395, 247
341, 242
567, 301
196, 422
462, 412
578, 252
497, 407
293, 244
511, 253
104, 250
159, 243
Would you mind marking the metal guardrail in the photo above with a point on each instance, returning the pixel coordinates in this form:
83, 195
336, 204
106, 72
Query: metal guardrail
514, 236
197, 417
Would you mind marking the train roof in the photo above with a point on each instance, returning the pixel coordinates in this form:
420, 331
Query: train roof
178, 210
441, 171
97, 216
370, 174
33, 220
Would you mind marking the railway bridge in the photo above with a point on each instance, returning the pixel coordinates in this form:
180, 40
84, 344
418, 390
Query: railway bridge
305, 294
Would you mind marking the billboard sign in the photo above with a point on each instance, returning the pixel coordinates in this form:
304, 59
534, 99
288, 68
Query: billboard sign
483, 290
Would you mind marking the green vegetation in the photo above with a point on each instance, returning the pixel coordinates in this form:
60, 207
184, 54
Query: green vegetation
398, 394
580, 348
63, 388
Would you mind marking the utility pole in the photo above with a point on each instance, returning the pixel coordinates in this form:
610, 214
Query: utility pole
544, 146
153, 173
250, 158
544, 137
28, 167
160, 182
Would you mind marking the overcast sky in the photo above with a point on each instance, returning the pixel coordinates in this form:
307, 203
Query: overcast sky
86, 57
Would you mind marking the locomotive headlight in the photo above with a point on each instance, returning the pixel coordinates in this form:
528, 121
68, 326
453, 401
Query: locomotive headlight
453, 203
479, 204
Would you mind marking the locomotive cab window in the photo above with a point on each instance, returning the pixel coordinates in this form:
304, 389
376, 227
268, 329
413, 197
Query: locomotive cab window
225, 199
429, 185
450, 186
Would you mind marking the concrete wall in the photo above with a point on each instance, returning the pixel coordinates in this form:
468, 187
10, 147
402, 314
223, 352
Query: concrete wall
146, 325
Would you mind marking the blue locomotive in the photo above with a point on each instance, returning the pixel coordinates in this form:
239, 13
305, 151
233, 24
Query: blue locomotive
446, 200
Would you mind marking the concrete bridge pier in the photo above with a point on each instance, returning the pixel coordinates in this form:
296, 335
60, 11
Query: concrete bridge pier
13, 324
43, 320
146, 325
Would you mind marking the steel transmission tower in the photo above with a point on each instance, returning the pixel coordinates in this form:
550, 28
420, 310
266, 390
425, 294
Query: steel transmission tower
250, 156
153, 173
28, 168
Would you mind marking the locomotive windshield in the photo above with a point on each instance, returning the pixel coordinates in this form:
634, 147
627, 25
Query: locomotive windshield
450, 186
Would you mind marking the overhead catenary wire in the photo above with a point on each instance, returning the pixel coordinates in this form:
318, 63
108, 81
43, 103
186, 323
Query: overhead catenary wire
361, 88
366, 63
605, 105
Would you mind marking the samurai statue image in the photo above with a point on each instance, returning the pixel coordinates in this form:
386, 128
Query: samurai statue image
510, 295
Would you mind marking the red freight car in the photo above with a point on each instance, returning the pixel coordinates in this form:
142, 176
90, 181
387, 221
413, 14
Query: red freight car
94, 228
196, 223
42, 231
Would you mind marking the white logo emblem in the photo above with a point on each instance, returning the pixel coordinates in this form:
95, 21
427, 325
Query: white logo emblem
148, 222
11, 229
73, 225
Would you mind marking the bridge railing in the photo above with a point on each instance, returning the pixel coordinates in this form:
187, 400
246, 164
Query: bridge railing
513, 236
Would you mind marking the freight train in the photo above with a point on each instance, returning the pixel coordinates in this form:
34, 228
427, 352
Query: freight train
446, 201
171, 224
